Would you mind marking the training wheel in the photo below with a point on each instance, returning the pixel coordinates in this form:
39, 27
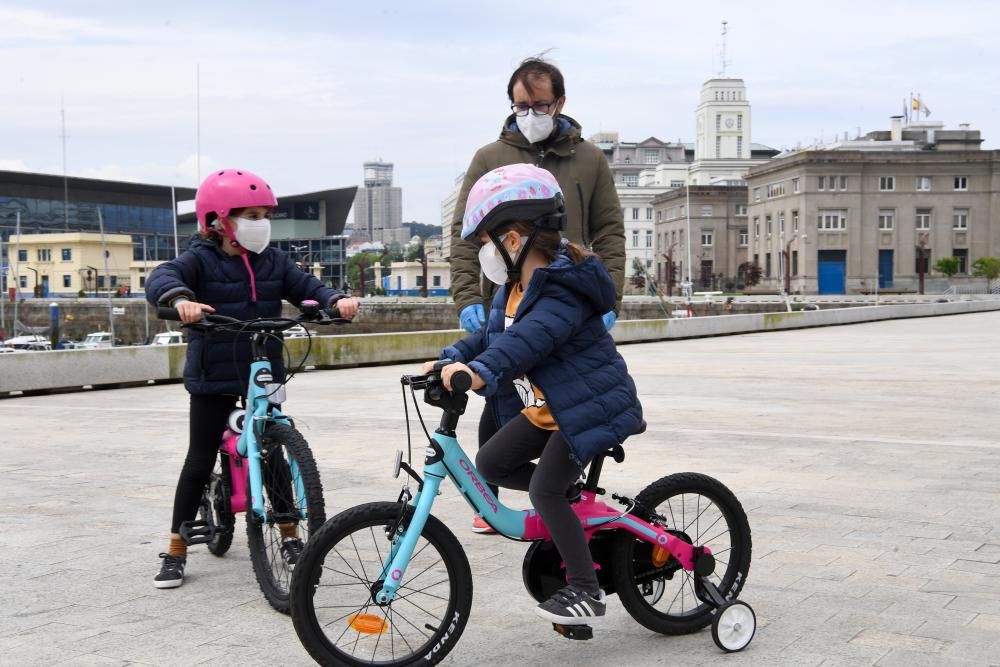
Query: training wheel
734, 626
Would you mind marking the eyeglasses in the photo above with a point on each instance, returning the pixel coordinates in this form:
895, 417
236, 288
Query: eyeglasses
538, 108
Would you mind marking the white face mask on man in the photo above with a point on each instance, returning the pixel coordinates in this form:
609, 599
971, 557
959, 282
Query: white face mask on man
254, 235
535, 128
492, 263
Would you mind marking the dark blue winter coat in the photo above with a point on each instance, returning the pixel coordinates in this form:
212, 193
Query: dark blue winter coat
206, 274
559, 341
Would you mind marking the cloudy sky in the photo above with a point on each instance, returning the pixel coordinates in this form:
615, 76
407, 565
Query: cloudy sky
303, 92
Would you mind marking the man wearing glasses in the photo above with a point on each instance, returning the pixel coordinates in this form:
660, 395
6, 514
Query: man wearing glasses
538, 133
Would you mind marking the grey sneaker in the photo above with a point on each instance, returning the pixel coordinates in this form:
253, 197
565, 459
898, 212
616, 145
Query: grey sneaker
572, 606
171, 572
291, 550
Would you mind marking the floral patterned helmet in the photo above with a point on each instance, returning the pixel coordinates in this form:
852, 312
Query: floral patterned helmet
515, 193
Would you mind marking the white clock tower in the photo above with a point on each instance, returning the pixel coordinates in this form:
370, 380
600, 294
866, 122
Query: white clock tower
723, 121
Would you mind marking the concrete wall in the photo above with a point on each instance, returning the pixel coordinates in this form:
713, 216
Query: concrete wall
72, 369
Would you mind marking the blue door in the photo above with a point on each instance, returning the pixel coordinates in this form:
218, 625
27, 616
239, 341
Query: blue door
831, 268
45, 286
884, 269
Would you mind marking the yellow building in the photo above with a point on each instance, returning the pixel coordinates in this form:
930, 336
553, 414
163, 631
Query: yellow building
65, 264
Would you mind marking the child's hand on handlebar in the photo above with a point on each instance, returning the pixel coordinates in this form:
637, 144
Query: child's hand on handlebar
190, 311
347, 307
427, 367
451, 369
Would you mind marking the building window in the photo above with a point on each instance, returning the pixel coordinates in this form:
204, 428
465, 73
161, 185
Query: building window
142, 282
960, 218
437, 281
739, 121
635, 214
756, 194
67, 254
795, 263
767, 219
744, 237
923, 184
886, 218
24, 281
781, 222
843, 183
706, 211
420, 281
886, 183
44, 254
649, 214
635, 238
923, 218
676, 184
67, 280
718, 122
767, 265
925, 266
962, 183
962, 255
22, 255
831, 219
706, 239
821, 183
739, 146
756, 228
795, 222
649, 238
741, 210
631, 180
718, 147
659, 215
795, 185
651, 156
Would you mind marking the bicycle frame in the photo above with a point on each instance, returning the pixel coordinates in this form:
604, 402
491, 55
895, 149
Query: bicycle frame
446, 458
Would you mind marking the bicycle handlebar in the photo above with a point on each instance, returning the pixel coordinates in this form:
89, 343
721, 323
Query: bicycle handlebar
311, 314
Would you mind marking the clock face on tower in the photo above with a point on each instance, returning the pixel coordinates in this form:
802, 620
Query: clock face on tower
729, 122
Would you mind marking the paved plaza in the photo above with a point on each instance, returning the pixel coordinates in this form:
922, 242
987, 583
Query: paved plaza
866, 457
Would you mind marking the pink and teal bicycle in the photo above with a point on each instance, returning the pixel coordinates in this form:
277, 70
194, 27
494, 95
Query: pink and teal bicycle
387, 583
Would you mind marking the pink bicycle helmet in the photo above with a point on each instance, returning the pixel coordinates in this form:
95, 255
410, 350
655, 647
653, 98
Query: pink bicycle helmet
517, 192
227, 189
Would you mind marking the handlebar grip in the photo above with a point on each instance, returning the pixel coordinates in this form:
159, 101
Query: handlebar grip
165, 313
333, 313
461, 382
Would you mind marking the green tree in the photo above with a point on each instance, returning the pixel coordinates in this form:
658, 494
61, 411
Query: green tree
750, 273
949, 266
354, 267
986, 267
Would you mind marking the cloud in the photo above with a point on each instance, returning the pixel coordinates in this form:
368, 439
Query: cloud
13, 165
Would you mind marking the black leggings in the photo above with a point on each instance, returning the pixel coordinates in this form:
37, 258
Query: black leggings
209, 415
506, 459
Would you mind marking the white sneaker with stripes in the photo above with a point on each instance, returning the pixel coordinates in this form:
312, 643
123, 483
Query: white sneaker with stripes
572, 606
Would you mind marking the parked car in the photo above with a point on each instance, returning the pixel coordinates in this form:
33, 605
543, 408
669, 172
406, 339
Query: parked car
28, 343
168, 338
96, 340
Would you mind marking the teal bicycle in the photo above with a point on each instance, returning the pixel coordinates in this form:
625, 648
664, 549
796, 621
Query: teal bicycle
266, 468
388, 584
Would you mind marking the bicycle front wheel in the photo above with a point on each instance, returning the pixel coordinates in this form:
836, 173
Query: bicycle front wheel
293, 508
341, 570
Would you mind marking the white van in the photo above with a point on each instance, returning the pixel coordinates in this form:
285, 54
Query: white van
168, 338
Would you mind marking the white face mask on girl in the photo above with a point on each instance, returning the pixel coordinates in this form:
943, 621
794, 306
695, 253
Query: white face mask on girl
254, 235
535, 128
492, 263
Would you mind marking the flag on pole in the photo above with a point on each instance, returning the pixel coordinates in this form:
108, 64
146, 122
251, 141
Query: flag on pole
919, 106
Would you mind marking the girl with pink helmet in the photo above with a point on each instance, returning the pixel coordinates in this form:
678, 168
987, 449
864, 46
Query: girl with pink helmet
229, 269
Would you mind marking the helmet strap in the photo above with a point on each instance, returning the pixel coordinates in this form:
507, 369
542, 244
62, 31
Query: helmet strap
514, 266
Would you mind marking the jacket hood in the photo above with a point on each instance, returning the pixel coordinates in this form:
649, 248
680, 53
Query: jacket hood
570, 133
589, 279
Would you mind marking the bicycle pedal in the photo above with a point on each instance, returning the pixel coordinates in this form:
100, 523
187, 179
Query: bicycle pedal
579, 632
197, 532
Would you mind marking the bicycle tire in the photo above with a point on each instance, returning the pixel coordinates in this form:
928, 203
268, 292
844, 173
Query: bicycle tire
272, 572
642, 583
216, 508
368, 522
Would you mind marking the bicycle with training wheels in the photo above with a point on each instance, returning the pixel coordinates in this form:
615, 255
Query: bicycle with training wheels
266, 469
387, 583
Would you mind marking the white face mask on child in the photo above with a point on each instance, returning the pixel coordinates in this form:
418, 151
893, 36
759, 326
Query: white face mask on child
492, 264
254, 235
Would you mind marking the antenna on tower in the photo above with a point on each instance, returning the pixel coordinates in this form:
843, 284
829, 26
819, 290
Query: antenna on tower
724, 62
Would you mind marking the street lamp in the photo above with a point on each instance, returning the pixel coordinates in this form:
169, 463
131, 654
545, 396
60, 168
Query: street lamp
299, 249
36, 291
922, 243
788, 261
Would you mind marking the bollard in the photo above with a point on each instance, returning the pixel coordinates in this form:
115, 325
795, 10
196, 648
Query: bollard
54, 316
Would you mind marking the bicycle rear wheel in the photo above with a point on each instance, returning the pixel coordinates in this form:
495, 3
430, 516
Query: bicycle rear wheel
216, 508
651, 584
341, 570
293, 498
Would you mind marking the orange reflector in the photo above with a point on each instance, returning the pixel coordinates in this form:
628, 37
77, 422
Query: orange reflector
660, 556
368, 624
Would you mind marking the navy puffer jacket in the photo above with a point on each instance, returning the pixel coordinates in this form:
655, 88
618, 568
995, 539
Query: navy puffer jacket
206, 274
559, 341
